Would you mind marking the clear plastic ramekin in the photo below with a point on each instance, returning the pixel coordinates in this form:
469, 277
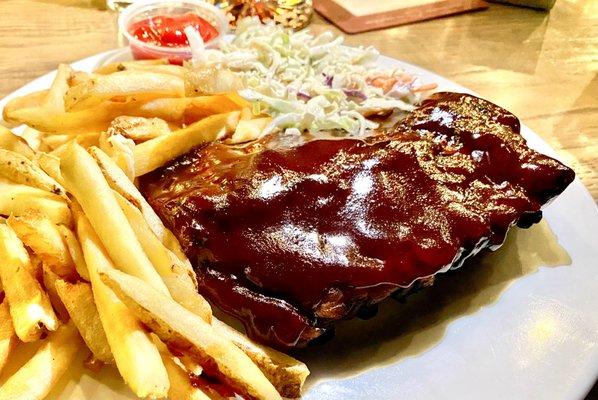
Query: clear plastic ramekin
145, 9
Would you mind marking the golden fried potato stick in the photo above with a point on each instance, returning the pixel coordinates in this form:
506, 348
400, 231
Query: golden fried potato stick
211, 80
49, 279
166, 262
85, 181
35, 267
138, 129
285, 372
79, 301
12, 142
35, 379
8, 338
30, 308
121, 150
78, 78
122, 66
21, 199
122, 85
20, 169
95, 119
139, 65
180, 328
55, 98
85, 139
117, 178
135, 355
51, 166
75, 251
197, 108
33, 138
54, 142
250, 129
33, 100
181, 387
119, 182
42, 236
178, 110
178, 277
157, 152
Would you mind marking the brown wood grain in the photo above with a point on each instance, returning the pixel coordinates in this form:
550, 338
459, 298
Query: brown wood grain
541, 66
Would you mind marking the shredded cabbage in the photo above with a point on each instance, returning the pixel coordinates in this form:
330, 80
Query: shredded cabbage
308, 82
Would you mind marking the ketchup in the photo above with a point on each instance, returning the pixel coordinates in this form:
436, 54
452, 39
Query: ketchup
168, 31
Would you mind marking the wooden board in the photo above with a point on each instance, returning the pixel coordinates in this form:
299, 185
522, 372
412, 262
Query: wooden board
354, 16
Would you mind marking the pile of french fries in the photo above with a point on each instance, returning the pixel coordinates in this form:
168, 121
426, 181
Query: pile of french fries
85, 262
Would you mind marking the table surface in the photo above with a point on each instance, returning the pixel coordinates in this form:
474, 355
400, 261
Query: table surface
541, 66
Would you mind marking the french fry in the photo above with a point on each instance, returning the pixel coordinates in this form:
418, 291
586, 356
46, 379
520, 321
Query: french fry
181, 387
116, 177
155, 153
211, 80
33, 100
55, 98
33, 138
55, 142
8, 338
122, 66
120, 149
35, 379
20, 169
79, 302
98, 118
51, 166
135, 355
178, 277
250, 129
190, 364
36, 267
43, 237
189, 333
12, 142
286, 373
138, 129
49, 279
30, 308
94, 119
197, 108
78, 78
85, 181
123, 85
122, 184
246, 114
138, 65
21, 199
187, 296
75, 251
166, 263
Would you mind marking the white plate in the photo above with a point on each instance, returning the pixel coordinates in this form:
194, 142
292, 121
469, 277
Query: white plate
523, 324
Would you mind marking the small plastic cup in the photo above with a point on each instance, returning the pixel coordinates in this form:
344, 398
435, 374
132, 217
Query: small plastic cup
145, 9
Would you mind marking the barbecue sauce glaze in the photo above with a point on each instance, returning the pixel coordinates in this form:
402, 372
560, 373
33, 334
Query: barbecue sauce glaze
290, 238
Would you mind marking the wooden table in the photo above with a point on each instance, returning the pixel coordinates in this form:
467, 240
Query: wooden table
543, 67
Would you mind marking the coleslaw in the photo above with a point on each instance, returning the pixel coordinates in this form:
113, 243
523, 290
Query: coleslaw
308, 82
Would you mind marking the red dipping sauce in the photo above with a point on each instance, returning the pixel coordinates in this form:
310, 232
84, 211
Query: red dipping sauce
169, 31
164, 34
155, 29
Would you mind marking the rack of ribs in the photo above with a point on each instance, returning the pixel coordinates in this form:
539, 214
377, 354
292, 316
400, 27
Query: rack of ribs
291, 237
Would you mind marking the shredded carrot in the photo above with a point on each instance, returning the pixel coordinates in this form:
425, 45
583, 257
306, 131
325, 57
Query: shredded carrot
424, 88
